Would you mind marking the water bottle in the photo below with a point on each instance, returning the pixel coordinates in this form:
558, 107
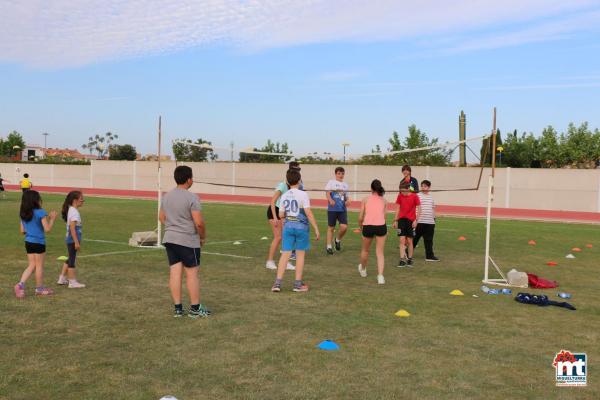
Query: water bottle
493, 291
564, 295
506, 291
485, 289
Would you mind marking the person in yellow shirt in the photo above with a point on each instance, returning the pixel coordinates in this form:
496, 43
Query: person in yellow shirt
25, 183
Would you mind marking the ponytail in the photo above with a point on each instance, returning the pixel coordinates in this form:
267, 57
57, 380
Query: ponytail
72, 196
377, 188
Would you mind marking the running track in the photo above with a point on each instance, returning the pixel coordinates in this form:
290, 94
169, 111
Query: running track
441, 209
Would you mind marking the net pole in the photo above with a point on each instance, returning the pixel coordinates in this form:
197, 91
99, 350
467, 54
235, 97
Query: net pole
159, 194
490, 199
488, 218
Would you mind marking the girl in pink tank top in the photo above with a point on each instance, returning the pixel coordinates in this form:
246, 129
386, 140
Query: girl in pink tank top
372, 222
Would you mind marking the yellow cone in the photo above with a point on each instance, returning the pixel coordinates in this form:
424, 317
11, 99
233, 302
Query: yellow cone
402, 313
457, 292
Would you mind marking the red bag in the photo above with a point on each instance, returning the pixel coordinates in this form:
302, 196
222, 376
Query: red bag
540, 283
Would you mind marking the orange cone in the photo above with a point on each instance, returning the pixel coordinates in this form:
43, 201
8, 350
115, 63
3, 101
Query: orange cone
589, 245
356, 230
462, 238
551, 263
532, 243
576, 249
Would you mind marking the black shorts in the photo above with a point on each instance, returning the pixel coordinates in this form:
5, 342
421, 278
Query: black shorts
405, 227
1, 188
35, 248
188, 256
25, 189
72, 255
270, 214
369, 231
334, 216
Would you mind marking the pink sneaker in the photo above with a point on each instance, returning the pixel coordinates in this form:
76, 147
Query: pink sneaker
43, 291
19, 291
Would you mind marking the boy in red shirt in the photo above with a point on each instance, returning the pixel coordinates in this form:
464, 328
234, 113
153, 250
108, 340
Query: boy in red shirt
409, 208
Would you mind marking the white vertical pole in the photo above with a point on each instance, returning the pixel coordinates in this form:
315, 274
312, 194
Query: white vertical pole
52, 175
487, 226
91, 173
598, 209
134, 175
158, 225
354, 196
507, 189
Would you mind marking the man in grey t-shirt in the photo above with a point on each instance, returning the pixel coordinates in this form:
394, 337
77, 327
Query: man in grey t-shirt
185, 233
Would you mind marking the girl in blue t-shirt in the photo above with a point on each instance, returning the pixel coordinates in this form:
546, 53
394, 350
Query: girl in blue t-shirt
35, 223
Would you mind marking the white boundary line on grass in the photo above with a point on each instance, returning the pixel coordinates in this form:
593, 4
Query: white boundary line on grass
126, 244
225, 255
156, 248
110, 253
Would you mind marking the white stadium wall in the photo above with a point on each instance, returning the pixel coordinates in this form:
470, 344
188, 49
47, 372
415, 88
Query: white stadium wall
541, 189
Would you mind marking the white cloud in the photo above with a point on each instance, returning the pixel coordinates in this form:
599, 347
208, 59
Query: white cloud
63, 33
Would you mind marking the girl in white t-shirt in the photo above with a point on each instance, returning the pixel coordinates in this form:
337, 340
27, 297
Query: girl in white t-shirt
70, 213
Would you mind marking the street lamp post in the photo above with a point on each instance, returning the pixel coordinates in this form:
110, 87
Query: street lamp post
345, 145
45, 143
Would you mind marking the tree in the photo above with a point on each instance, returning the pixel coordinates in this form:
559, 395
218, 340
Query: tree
549, 153
12, 144
520, 151
270, 147
579, 146
122, 152
487, 148
184, 151
100, 143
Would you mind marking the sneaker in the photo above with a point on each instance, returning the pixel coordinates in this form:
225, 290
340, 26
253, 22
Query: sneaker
293, 256
271, 265
338, 245
380, 280
62, 281
290, 267
76, 285
202, 312
302, 288
43, 291
432, 259
178, 313
401, 263
329, 251
19, 291
409, 262
276, 288
362, 271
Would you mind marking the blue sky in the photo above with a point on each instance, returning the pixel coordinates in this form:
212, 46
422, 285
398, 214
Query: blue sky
313, 74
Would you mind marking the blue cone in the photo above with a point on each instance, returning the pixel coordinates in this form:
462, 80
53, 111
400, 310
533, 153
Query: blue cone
328, 345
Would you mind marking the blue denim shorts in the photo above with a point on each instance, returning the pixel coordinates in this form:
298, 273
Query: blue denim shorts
295, 239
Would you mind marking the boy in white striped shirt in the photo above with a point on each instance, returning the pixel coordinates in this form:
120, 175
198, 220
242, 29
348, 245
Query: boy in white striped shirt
426, 221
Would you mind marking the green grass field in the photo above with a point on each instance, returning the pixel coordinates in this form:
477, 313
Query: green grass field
117, 338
